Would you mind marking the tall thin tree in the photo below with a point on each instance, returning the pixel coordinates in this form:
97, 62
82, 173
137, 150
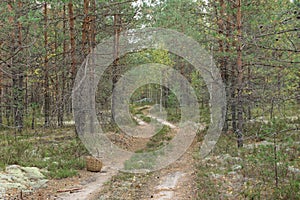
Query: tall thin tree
240, 73
46, 70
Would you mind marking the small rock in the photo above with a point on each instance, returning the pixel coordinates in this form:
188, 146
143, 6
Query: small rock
170, 181
2, 192
228, 159
236, 167
39, 184
14, 185
294, 170
215, 176
46, 158
232, 173
225, 157
33, 173
14, 170
22, 178
222, 168
6, 177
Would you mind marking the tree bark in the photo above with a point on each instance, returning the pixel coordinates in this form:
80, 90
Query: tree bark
18, 76
63, 74
46, 71
1, 99
117, 25
92, 27
85, 28
232, 81
223, 46
73, 51
57, 81
239, 76
72, 38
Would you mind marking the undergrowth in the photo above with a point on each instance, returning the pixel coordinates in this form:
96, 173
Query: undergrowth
268, 171
61, 156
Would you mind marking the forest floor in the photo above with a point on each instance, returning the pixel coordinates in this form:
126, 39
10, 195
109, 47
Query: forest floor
227, 173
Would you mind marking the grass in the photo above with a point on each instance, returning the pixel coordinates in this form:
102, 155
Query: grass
174, 115
285, 109
61, 156
258, 165
145, 118
62, 173
142, 161
160, 139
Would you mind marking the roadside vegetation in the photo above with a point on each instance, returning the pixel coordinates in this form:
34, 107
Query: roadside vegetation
267, 167
58, 151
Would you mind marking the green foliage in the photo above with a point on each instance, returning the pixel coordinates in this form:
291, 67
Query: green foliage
150, 56
159, 139
133, 110
206, 188
289, 191
270, 48
60, 159
62, 173
145, 118
174, 114
140, 161
257, 167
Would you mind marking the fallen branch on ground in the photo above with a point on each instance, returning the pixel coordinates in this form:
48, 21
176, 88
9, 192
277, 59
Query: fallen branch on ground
69, 190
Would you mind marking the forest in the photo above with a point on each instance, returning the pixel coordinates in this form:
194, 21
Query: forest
247, 87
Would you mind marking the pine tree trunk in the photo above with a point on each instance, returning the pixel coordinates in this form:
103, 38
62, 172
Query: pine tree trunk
93, 25
63, 74
85, 28
239, 76
72, 40
18, 77
46, 71
232, 73
223, 60
117, 23
8, 109
57, 81
33, 105
73, 51
1, 99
